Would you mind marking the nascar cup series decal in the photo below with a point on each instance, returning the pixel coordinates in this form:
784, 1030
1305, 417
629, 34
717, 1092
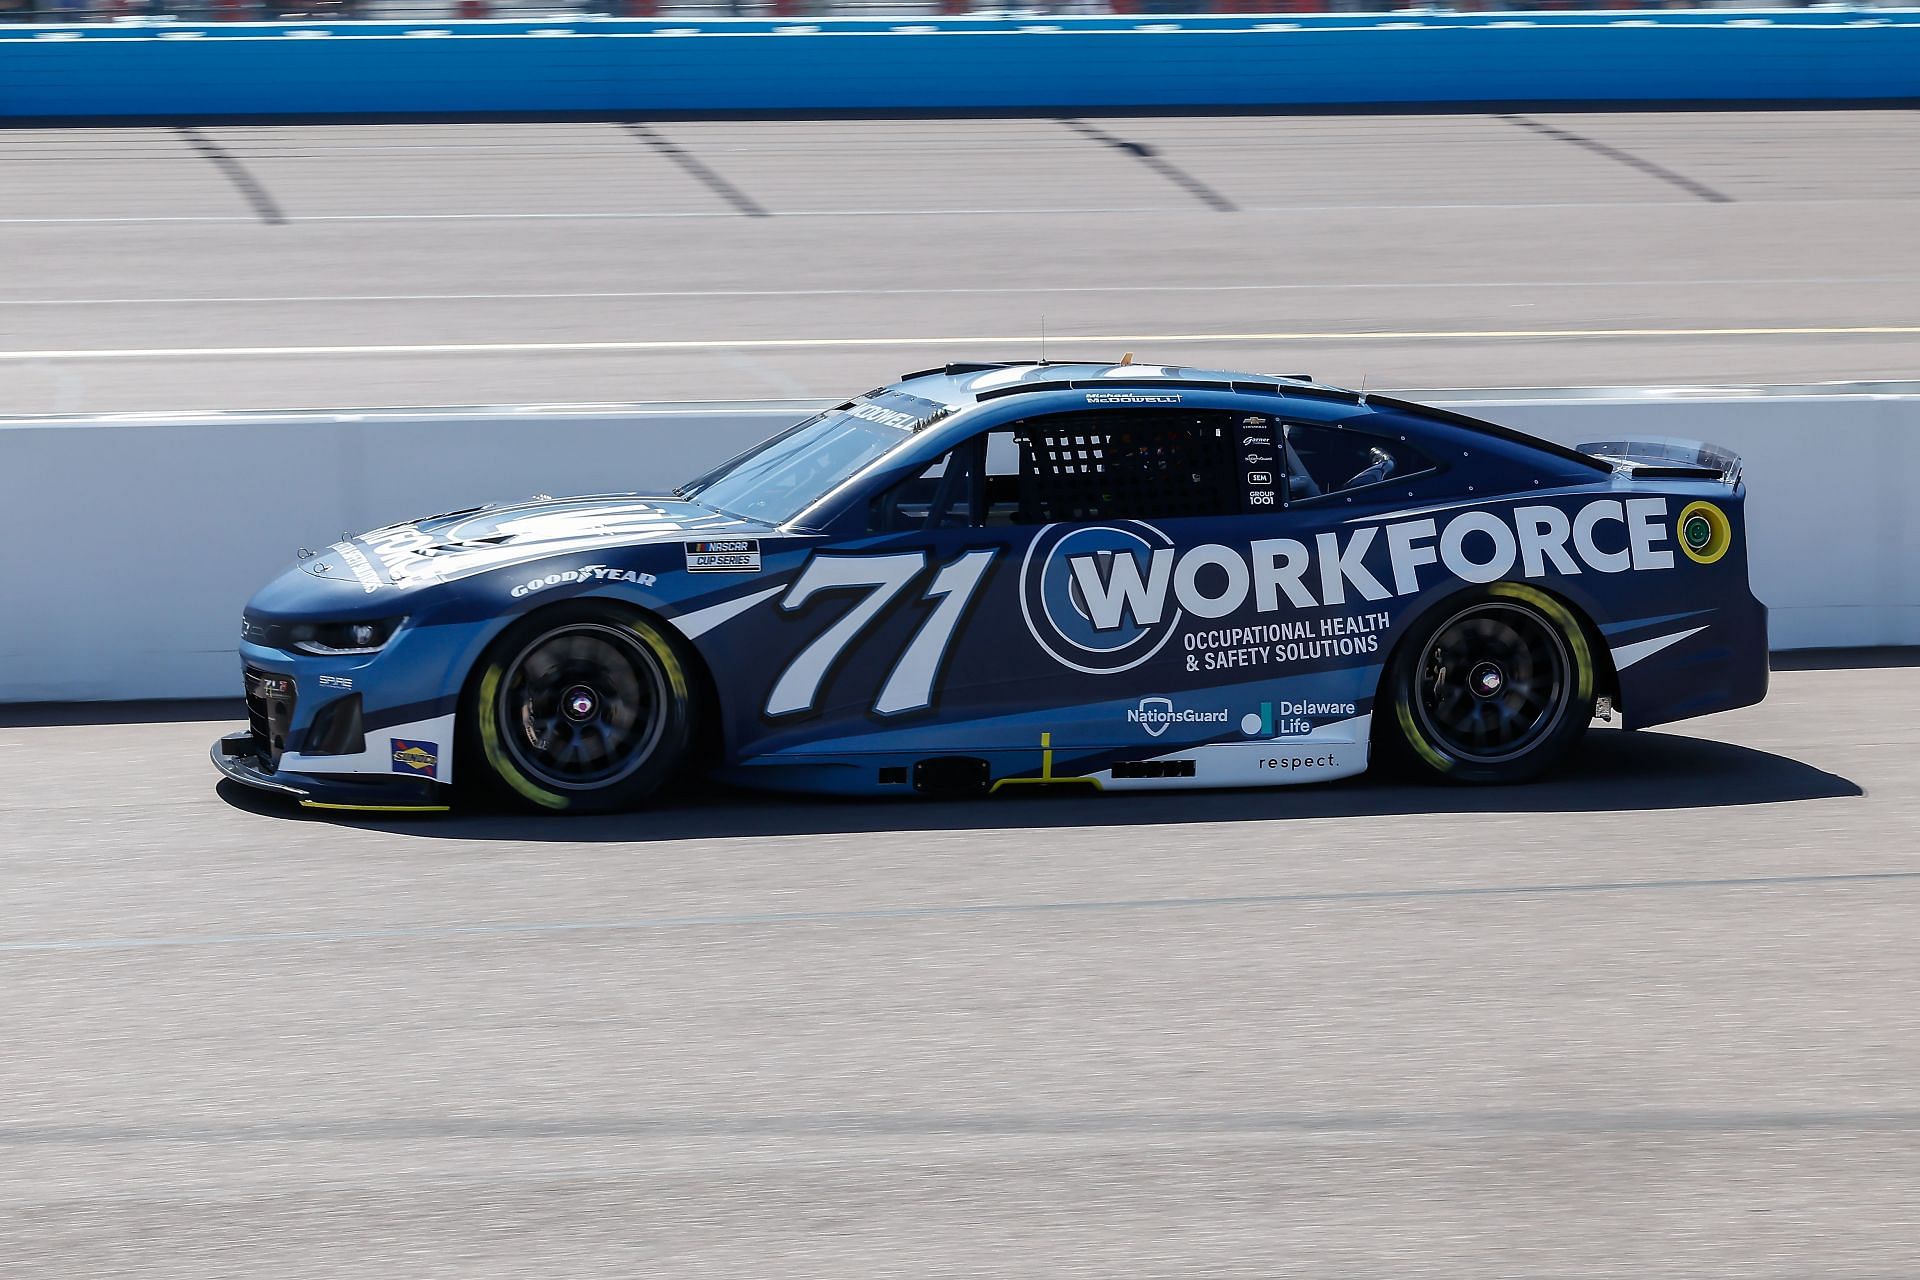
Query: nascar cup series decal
735, 555
1103, 599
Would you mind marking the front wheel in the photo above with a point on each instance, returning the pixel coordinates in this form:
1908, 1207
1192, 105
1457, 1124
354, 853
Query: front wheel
1496, 687
579, 709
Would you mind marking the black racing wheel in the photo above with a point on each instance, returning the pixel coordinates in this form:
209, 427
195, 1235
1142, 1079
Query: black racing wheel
1495, 686
579, 708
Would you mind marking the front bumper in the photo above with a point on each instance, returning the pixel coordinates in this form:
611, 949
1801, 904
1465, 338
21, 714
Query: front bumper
236, 756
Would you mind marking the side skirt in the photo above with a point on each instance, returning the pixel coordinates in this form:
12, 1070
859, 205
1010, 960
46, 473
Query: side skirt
1337, 750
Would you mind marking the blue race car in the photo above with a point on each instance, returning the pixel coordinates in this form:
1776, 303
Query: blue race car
1010, 575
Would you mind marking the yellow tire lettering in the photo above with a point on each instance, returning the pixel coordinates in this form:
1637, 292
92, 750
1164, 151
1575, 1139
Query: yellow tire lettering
668, 659
496, 754
1570, 629
1403, 712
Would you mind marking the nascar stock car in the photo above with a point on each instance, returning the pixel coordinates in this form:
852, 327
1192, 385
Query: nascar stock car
1024, 574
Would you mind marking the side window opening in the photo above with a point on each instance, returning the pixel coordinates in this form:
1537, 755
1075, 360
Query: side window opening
1322, 461
1144, 465
943, 496
1108, 465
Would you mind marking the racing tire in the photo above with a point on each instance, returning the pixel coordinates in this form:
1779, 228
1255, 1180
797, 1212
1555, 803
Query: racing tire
1494, 686
579, 708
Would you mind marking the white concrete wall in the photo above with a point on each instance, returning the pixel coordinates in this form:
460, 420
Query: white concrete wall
127, 546
1833, 532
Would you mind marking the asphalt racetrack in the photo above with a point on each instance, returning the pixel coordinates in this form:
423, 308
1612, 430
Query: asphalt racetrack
290, 267
1656, 1017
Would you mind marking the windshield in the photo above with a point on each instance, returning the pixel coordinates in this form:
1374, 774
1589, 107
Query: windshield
775, 481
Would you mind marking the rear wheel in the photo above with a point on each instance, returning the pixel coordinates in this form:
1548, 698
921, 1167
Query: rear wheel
1496, 687
580, 709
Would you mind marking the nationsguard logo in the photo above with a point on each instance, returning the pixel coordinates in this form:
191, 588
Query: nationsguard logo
419, 758
1156, 714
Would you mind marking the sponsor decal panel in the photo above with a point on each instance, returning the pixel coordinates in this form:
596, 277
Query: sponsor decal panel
1103, 599
587, 573
1262, 459
421, 759
732, 555
336, 682
357, 564
398, 551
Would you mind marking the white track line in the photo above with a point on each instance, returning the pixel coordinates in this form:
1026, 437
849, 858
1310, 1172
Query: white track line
1026, 340
1016, 290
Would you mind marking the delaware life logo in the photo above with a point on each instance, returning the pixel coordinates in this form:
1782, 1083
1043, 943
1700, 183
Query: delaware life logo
419, 758
1290, 719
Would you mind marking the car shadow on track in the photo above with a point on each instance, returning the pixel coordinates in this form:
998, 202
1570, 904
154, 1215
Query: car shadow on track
1609, 772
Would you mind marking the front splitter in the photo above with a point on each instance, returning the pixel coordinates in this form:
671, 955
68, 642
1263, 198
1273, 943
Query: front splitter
320, 791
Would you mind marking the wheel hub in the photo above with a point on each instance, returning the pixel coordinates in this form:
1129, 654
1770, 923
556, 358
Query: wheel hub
1487, 680
581, 704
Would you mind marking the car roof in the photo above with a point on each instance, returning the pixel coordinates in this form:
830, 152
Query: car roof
960, 386
964, 384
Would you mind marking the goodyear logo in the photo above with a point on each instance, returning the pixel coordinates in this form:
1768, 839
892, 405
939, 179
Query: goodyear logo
419, 758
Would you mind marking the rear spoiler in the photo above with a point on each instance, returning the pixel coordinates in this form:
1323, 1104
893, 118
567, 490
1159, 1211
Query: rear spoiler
1660, 459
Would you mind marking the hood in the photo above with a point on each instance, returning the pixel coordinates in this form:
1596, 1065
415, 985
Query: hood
462, 543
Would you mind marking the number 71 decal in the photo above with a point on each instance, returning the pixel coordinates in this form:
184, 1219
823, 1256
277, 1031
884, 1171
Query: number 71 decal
909, 686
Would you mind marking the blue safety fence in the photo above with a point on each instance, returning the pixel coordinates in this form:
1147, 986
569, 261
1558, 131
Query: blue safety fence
178, 70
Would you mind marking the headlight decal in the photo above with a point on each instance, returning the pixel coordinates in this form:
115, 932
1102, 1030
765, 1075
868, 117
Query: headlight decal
322, 638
